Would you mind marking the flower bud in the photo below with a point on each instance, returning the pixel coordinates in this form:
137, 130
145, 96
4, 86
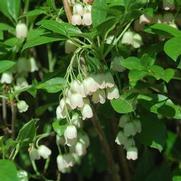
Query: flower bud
21, 31
86, 110
6, 78
76, 100
70, 135
132, 153
99, 96
78, 9
113, 93
44, 151
87, 19
22, 106
76, 19
69, 47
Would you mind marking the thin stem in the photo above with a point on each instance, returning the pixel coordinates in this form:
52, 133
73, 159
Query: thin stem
112, 166
4, 109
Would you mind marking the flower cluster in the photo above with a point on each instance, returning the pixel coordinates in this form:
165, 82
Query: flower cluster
82, 14
77, 100
98, 86
77, 143
125, 136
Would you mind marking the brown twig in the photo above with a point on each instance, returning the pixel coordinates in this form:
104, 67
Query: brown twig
13, 118
112, 166
67, 10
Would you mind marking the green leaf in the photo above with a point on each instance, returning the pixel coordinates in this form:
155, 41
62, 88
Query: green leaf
99, 12
39, 37
61, 28
59, 126
122, 105
6, 65
10, 8
176, 178
168, 74
166, 28
172, 48
27, 133
53, 85
153, 132
135, 76
8, 171
132, 63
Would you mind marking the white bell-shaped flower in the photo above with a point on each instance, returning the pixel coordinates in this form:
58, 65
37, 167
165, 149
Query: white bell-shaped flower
121, 139
137, 40
76, 100
44, 151
21, 31
87, 19
69, 47
78, 9
33, 65
70, 135
65, 162
132, 153
21, 83
144, 19
99, 96
127, 38
86, 110
80, 149
22, 106
112, 93
34, 154
76, 19
87, 8
77, 87
6, 78
90, 85
109, 80
60, 113
22, 175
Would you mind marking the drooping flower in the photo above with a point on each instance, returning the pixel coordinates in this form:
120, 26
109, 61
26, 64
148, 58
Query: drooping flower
112, 93
76, 100
86, 110
70, 135
21, 31
132, 153
6, 78
76, 19
69, 47
87, 19
78, 9
44, 151
22, 106
99, 96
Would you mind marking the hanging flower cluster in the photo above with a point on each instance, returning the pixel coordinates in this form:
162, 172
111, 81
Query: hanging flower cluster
77, 100
81, 13
125, 136
97, 86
